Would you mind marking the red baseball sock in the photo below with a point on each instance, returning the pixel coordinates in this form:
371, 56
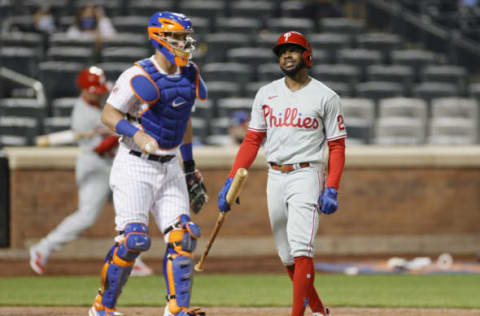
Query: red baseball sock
314, 301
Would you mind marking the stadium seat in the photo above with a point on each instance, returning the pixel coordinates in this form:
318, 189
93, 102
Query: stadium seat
63, 107
219, 43
34, 41
124, 54
415, 58
399, 131
56, 124
455, 108
251, 55
20, 126
23, 107
452, 131
248, 8
344, 90
266, 39
20, 59
204, 109
131, 24
235, 24
330, 42
377, 90
13, 140
219, 126
403, 107
205, 8
219, 139
114, 69
223, 89
474, 91
341, 25
359, 118
293, 8
282, 25
235, 72
82, 55
447, 73
200, 129
269, 72
202, 26
125, 40
252, 88
382, 42
433, 90
362, 58
62, 39
148, 7
337, 73
60, 78
229, 105
392, 73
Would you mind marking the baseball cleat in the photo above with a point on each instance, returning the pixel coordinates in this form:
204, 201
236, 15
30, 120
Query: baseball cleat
327, 313
186, 312
105, 312
141, 269
38, 260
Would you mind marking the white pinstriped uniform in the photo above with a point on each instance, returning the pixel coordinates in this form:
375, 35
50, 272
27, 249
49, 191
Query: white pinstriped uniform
297, 125
91, 173
139, 185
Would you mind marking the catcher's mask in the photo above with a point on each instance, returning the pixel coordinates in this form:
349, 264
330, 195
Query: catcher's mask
93, 80
170, 33
295, 38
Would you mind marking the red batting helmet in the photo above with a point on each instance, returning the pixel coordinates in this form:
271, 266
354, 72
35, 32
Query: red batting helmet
295, 38
93, 80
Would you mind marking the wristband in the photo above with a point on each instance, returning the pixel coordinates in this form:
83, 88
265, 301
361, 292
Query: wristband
189, 166
186, 151
124, 127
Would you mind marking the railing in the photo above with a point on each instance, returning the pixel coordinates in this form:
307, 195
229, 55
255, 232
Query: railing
24, 80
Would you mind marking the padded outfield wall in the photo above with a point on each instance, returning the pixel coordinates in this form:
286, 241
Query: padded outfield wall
393, 200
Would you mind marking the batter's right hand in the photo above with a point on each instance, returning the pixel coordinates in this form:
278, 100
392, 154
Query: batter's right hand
223, 205
142, 139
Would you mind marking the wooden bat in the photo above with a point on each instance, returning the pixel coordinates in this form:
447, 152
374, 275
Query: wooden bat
61, 138
232, 194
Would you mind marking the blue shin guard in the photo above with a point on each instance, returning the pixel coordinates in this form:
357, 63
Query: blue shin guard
119, 262
178, 266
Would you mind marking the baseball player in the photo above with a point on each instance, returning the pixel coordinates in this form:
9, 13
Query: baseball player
150, 106
300, 117
92, 170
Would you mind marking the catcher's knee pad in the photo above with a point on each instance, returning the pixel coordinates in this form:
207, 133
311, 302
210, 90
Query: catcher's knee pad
119, 262
178, 264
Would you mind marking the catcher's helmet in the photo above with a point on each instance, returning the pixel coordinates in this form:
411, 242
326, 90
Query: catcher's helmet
162, 26
295, 38
93, 80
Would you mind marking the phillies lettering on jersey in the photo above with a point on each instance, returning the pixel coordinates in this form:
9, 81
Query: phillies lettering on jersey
291, 117
297, 123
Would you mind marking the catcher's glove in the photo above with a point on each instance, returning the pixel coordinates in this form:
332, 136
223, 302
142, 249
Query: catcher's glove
196, 190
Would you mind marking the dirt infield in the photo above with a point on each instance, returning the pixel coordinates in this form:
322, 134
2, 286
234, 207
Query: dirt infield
239, 311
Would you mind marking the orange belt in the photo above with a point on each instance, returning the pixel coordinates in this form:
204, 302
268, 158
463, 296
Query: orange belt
289, 167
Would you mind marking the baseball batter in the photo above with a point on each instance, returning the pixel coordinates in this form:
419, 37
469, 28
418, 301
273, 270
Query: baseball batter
150, 106
300, 117
92, 170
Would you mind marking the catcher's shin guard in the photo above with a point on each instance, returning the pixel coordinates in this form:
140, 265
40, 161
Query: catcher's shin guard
178, 265
119, 262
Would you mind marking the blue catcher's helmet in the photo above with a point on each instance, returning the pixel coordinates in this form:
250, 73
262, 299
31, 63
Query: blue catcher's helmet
170, 33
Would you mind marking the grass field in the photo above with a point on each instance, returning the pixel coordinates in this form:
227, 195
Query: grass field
441, 291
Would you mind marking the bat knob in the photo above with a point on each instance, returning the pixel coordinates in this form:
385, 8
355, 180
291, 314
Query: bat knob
198, 267
150, 148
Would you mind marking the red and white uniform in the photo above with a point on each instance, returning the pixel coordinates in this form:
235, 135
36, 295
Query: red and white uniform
297, 125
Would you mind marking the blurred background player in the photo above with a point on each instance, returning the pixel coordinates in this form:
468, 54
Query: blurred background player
150, 106
92, 170
299, 116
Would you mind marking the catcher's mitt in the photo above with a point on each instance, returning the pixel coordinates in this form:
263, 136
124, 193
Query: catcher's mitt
196, 190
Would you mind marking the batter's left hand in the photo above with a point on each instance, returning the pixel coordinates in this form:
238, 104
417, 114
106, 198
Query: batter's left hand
328, 201
223, 205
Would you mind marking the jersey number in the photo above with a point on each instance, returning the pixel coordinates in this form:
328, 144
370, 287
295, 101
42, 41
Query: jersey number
340, 122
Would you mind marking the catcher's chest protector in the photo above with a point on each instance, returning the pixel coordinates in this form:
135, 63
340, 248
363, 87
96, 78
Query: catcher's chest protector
171, 98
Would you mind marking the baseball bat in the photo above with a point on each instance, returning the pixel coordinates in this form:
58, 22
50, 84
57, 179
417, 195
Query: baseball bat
232, 194
61, 138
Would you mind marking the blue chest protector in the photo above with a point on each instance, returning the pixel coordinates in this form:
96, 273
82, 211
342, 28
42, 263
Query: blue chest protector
170, 99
